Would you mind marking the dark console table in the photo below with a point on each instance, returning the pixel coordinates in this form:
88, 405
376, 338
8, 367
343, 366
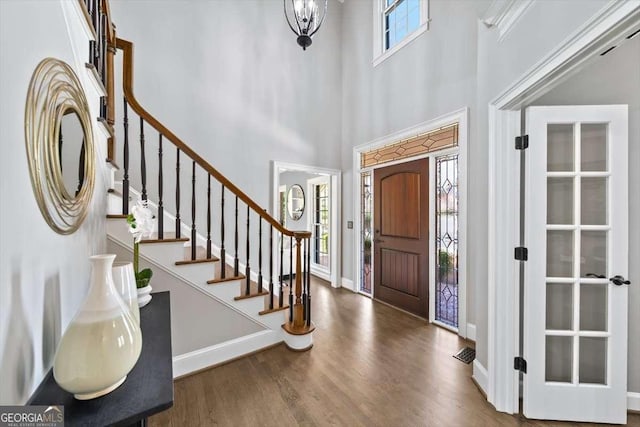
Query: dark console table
147, 390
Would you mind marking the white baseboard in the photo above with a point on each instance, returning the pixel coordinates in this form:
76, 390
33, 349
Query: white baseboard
197, 360
633, 401
481, 376
348, 284
471, 332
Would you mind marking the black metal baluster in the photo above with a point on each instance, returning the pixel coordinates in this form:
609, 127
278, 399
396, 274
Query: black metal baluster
103, 49
143, 162
193, 210
125, 179
303, 271
259, 254
236, 263
291, 270
223, 253
308, 300
290, 278
177, 193
271, 268
247, 269
281, 294
160, 202
208, 216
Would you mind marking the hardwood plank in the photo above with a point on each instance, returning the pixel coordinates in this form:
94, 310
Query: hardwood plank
371, 365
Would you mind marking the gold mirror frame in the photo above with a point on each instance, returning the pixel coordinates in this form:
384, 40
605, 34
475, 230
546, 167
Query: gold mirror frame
55, 90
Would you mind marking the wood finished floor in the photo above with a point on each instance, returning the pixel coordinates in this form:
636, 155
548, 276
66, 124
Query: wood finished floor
371, 365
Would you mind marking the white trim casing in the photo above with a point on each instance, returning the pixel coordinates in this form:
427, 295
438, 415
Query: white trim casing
633, 401
471, 332
184, 364
612, 23
336, 209
504, 14
462, 118
480, 375
379, 53
348, 284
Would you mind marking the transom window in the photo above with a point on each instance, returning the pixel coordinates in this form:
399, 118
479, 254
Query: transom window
401, 17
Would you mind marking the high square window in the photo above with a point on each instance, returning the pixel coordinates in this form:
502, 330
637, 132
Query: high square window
396, 23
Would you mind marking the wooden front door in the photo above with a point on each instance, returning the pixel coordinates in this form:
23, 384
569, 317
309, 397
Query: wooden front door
401, 236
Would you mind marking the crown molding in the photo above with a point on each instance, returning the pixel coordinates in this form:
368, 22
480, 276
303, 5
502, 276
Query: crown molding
503, 15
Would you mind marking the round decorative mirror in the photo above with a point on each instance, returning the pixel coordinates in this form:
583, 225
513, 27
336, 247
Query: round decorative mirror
295, 202
59, 143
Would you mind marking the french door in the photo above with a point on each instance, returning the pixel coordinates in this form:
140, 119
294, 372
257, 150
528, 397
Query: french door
575, 292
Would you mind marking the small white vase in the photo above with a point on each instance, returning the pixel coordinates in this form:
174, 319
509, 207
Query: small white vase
125, 281
102, 343
144, 296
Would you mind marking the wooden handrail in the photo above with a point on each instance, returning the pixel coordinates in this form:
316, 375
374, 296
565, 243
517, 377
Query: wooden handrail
127, 81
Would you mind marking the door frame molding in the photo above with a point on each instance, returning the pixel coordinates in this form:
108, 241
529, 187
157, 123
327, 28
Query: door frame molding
336, 209
461, 117
605, 28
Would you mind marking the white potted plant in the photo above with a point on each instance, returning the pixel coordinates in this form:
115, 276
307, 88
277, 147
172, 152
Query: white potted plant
141, 224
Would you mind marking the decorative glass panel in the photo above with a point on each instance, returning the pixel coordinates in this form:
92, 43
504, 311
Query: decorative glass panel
559, 200
560, 147
593, 253
593, 307
559, 253
447, 240
444, 137
559, 359
593, 201
366, 194
593, 151
560, 306
593, 360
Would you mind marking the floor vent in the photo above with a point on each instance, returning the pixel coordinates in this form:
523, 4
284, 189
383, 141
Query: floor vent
466, 355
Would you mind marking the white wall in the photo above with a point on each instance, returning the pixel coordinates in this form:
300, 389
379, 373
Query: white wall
615, 79
229, 79
43, 275
434, 75
197, 321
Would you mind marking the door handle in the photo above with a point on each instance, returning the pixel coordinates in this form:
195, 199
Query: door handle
619, 280
597, 276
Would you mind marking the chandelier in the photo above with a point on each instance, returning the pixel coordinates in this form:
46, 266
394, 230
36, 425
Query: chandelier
303, 19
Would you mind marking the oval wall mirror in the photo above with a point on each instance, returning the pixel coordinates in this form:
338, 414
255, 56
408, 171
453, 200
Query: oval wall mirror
295, 202
71, 152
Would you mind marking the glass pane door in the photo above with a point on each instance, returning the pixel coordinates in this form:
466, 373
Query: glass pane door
576, 331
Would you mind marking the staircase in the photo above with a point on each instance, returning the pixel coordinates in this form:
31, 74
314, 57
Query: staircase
223, 243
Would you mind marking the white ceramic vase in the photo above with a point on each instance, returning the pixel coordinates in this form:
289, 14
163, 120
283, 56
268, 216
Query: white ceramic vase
144, 296
125, 281
102, 343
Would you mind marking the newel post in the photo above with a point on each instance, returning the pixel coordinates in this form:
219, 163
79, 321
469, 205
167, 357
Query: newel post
298, 332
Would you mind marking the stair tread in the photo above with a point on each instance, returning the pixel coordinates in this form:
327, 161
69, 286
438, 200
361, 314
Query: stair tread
201, 256
166, 238
276, 307
253, 291
116, 216
229, 275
